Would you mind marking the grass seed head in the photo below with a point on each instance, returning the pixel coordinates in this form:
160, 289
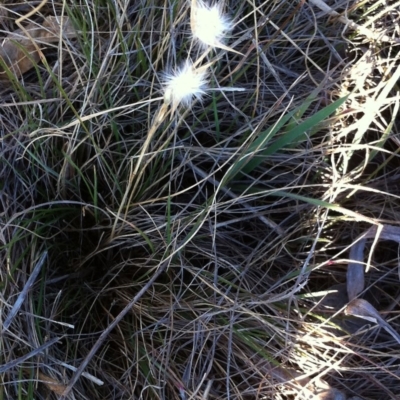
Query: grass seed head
185, 84
209, 25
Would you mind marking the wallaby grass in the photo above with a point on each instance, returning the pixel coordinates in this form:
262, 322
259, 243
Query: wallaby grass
245, 205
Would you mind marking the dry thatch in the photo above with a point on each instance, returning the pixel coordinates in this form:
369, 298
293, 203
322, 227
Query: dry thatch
210, 260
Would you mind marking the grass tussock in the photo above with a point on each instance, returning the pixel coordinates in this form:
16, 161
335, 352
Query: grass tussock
178, 205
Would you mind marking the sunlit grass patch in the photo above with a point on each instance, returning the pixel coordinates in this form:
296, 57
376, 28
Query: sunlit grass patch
193, 193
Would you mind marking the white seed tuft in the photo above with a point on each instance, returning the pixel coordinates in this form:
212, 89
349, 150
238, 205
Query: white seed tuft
184, 84
209, 25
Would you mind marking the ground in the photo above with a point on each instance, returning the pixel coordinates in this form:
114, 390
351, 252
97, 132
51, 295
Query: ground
199, 200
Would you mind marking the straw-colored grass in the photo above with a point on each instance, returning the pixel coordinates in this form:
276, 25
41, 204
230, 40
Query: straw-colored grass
156, 246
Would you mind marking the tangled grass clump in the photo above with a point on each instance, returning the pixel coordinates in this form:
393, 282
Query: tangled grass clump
178, 204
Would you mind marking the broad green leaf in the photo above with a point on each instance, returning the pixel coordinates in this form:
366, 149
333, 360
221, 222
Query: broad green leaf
299, 132
255, 154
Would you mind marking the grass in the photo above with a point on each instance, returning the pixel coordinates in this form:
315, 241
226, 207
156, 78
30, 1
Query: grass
189, 262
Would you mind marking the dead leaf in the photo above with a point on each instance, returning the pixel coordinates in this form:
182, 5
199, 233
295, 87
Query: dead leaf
55, 386
363, 309
355, 270
19, 50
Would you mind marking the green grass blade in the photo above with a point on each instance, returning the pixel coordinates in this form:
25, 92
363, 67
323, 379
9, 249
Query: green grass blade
294, 135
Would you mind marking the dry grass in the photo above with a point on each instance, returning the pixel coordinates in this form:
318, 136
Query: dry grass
199, 276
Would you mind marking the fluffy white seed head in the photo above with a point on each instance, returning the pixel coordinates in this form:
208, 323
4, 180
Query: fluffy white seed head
209, 25
184, 84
